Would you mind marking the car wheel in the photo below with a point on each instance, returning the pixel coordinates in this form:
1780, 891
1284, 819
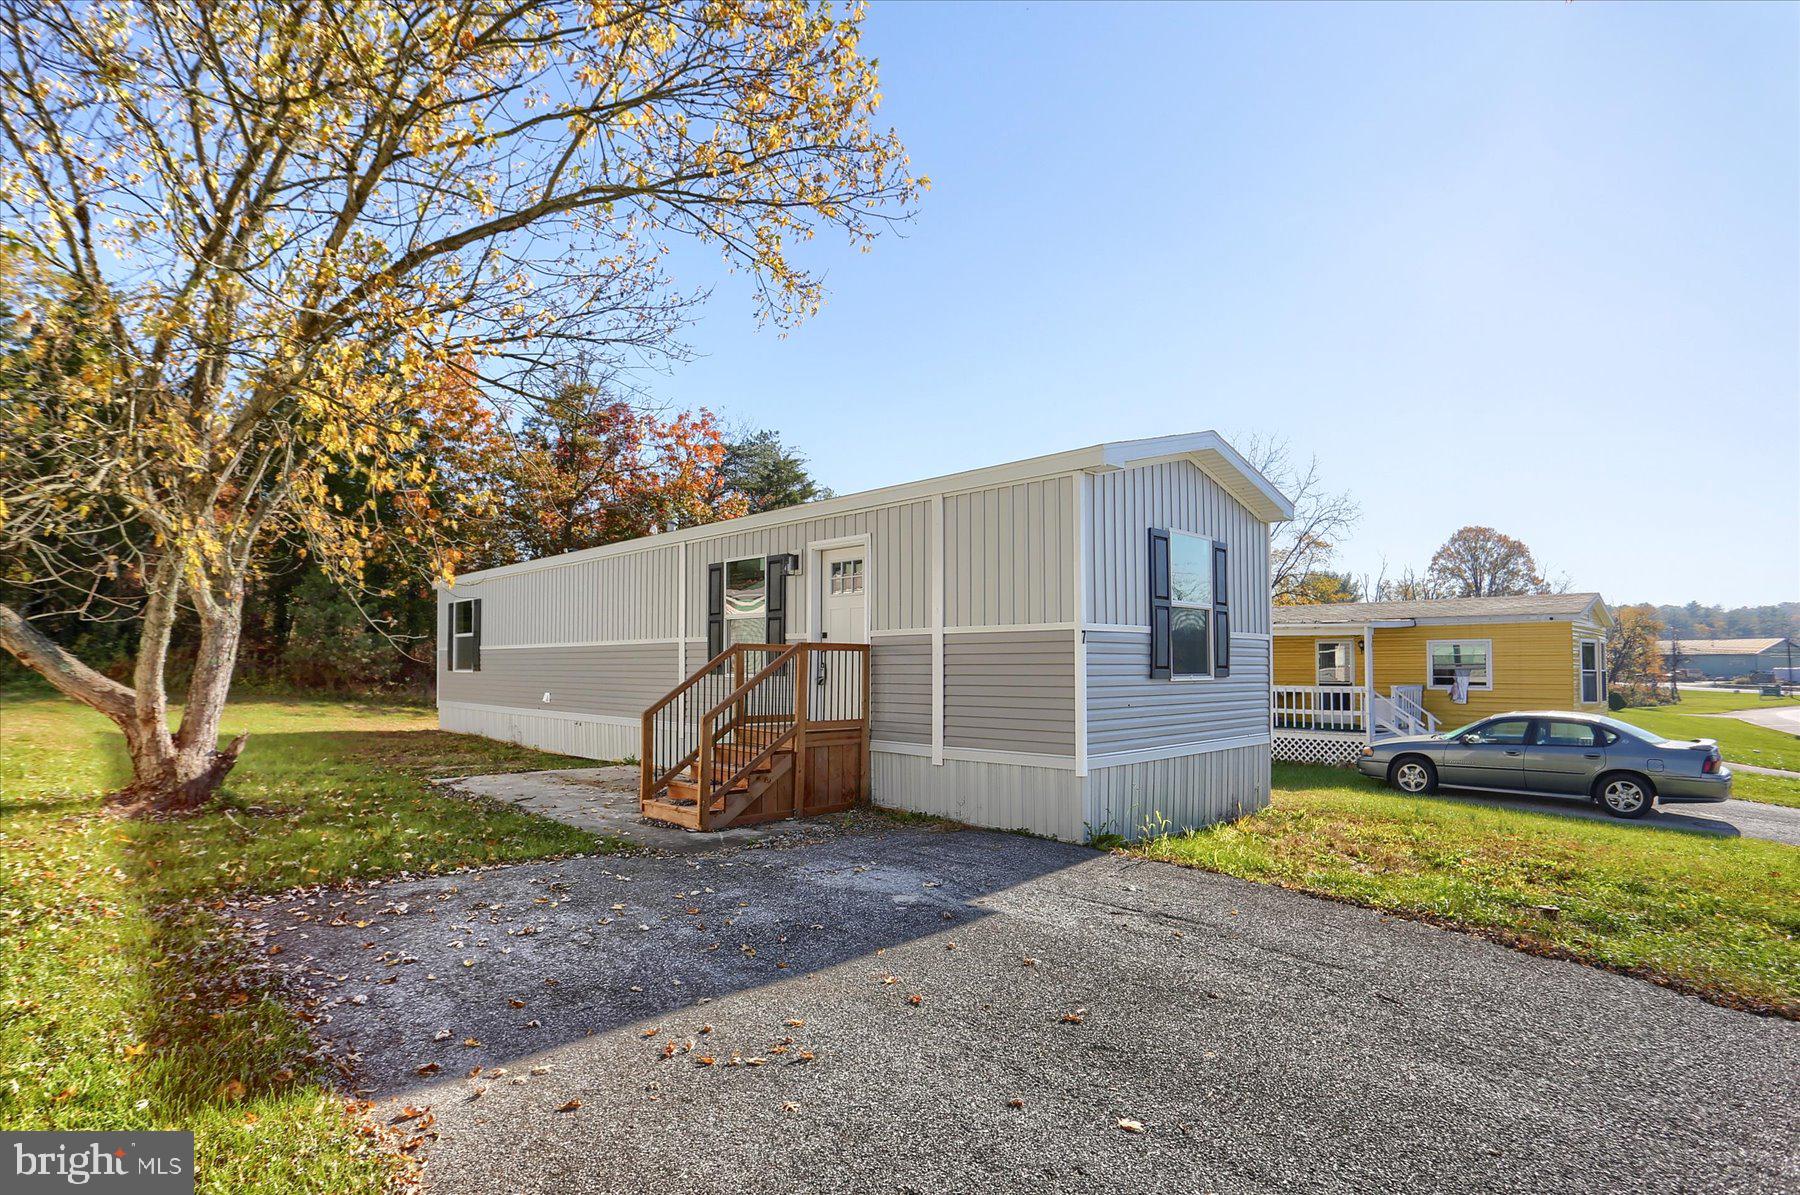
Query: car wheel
1413, 775
1625, 795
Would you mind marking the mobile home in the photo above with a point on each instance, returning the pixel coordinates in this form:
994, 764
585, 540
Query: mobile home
1069, 644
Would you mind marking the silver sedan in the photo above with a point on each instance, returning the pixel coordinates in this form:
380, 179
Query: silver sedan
1625, 769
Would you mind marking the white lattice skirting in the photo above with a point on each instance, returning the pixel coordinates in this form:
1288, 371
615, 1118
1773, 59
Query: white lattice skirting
1332, 752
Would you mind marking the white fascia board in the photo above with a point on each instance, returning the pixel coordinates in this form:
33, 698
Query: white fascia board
1327, 628
1217, 459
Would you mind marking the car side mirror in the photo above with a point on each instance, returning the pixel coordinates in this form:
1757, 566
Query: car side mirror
1470, 739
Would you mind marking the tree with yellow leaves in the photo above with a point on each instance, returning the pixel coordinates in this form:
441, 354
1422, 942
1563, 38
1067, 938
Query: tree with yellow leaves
257, 254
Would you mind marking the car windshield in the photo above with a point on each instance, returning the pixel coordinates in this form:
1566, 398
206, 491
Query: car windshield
1460, 730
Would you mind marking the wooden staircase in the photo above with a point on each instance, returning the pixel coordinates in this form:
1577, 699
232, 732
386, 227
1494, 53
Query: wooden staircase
760, 732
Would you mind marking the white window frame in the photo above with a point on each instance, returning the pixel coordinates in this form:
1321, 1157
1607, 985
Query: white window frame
1582, 670
456, 635
1175, 604
1349, 646
1487, 646
762, 618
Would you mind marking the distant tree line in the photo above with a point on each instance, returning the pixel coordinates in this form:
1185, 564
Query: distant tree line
1695, 621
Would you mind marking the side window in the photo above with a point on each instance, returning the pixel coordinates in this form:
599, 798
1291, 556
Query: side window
1569, 734
465, 635
1510, 731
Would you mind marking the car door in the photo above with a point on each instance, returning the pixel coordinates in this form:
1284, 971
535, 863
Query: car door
1564, 757
1491, 755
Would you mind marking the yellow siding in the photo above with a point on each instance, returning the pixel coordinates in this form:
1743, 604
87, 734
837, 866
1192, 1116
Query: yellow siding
1535, 665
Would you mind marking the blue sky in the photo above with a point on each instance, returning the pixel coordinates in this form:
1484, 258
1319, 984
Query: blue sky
1534, 266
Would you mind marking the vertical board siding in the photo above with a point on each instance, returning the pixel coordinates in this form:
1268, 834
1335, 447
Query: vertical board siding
1535, 665
1007, 555
1179, 496
630, 596
896, 565
1183, 793
1127, 711
1043, 801
900, 689
1010, 691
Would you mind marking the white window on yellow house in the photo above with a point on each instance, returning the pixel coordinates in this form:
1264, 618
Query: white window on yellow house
1446, 657
1336, 662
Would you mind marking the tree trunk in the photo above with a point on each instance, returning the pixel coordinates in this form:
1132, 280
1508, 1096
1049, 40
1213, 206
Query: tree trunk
169, 771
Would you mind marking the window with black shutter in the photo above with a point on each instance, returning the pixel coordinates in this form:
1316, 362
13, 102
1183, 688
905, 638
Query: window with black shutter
1221, 610
775, 621
1160, 611
715, 609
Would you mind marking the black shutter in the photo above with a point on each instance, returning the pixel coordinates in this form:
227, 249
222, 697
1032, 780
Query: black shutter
715, 609
1221, 610
775, 577
1161, 651
475, 639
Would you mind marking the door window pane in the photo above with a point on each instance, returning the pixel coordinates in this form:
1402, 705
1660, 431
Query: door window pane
1509, 732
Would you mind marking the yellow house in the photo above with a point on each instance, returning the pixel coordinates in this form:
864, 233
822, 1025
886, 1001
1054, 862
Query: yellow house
1357, 672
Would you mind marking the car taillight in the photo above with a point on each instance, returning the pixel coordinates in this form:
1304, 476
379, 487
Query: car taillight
1711, 766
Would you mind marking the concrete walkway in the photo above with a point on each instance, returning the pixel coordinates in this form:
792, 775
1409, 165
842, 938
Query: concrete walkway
605, 801
1784, 718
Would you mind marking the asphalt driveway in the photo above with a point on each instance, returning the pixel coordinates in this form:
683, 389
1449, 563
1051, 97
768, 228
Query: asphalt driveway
920, 1010
1726, 819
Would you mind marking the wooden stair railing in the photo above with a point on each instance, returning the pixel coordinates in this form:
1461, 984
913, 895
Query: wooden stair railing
790, 739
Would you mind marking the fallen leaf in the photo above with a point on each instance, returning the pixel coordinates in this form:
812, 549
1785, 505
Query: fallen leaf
516, 1003
703, 1060
652, 1032
430, 1068
441, 1035
916, 998
1131, 1126
1015, 1102
1074, 1018
470, 1042
568, 1106
795, 1023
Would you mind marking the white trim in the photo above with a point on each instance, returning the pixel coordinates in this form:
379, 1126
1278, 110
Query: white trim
578, 643
935, 586
1176, 750
902, 632
1082, 484
1022, 759
1486, 687
532, 712
1471, 620
681, 613
1208, 450
471, 633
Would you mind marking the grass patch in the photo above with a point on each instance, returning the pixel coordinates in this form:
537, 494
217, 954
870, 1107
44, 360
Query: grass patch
1713, 916
1739, 741
120, 1008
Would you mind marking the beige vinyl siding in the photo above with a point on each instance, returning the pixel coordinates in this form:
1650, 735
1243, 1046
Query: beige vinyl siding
900, 689
1008, 554
615, 681
1127, 711
1010, 691
1188, 791
1179, 496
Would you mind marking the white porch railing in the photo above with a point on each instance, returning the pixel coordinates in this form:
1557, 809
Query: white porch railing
1348, 709
1335, 709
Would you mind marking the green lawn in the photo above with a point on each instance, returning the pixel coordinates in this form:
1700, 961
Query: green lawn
120, 1008
1713, 916
1739, 741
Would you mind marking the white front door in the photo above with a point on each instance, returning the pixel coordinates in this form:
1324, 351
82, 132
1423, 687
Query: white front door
844, 602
